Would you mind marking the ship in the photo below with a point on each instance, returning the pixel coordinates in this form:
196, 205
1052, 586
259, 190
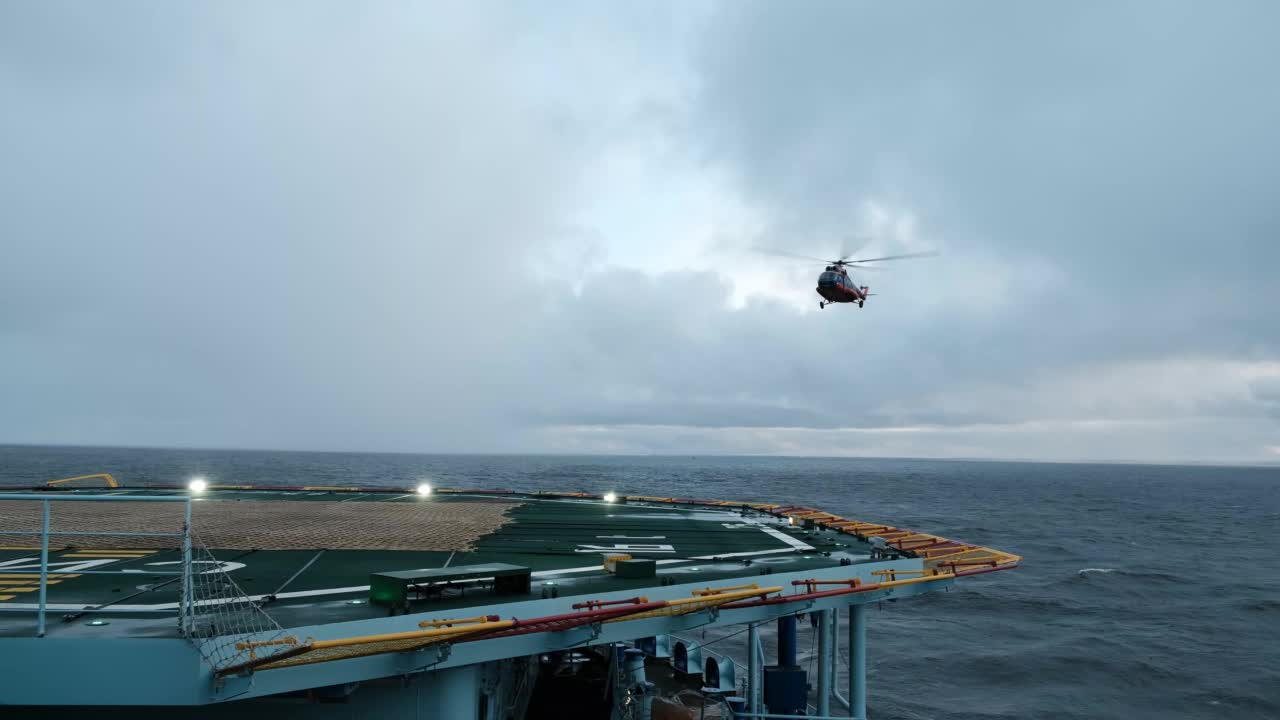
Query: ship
436, 603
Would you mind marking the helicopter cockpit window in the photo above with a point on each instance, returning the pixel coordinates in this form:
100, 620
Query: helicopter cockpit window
829, 278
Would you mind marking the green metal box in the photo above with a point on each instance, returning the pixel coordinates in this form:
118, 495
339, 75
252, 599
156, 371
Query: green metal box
393, 588
637, 568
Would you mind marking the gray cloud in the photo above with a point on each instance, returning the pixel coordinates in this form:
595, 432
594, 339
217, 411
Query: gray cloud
491, 227
1129, 145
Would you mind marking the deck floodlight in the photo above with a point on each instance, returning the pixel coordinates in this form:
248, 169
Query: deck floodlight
424, 489
197, 485
610, 497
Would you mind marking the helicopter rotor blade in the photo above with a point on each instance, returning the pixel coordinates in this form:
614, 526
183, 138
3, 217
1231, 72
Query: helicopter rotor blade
931, 253
793, 256
847, 250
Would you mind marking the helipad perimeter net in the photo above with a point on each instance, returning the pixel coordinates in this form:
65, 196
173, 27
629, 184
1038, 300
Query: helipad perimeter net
276, 524
219, 613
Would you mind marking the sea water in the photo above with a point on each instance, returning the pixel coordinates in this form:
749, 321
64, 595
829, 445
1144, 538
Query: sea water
1146, 591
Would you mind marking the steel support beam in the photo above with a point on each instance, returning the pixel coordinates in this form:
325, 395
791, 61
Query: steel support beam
44, 569
825, 665
754, 656
858, 661
787, 641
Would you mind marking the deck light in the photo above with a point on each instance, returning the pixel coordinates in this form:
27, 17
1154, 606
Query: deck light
355, 602
424, 489
96, 623
197, 485
610, 497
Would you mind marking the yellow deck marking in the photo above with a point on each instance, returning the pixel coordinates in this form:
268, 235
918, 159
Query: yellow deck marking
20, 547
6, 597
20, 589
24, 582
35, 576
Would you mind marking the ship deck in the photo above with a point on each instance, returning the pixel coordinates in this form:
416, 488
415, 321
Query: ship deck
307, 554
302, 590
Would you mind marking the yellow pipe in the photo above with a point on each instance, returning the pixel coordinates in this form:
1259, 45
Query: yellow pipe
717, 591
411, 635
253, 645
899, 572
956, 554
111, 482
290, 640
684, 606
459, 621
912, 581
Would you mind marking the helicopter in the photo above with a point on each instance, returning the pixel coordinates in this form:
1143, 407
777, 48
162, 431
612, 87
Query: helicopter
835, 285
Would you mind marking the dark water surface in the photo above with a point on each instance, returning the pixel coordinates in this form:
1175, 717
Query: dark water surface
1146, 592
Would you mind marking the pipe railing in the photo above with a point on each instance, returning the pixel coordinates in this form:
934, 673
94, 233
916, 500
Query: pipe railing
184, 606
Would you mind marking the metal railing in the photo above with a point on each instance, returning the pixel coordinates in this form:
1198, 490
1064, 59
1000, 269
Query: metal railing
185, 605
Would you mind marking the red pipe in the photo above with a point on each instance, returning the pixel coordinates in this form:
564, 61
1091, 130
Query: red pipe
533, 625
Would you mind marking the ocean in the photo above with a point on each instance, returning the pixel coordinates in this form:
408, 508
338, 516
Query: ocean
1146, 591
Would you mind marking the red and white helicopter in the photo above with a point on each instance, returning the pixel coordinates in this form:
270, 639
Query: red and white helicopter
835, 285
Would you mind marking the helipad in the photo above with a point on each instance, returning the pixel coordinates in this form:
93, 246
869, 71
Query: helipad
267, 582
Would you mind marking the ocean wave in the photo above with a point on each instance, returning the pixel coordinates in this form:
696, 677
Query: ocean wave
1264, 605
1144, 575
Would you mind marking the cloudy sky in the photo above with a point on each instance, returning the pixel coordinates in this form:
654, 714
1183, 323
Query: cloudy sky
528, 227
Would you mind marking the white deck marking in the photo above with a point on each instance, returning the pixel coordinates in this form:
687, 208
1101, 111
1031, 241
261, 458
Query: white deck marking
793, 542
626, 548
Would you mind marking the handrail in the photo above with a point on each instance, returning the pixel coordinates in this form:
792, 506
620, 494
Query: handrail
111, 482
103, 498
184, 606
